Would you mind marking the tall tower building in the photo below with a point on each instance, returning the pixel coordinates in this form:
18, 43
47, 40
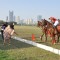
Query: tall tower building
10, 16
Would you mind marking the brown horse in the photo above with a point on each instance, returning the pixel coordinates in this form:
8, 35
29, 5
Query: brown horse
43, 25
48, 27
55, 31
58, 31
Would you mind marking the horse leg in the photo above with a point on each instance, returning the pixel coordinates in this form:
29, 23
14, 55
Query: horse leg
57, 39
45, 37
41, 36
54, 39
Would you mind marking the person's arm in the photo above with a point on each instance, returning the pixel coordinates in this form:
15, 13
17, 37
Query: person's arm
15, 33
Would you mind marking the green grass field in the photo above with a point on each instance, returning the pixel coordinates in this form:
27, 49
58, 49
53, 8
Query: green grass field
22, 51
27, 31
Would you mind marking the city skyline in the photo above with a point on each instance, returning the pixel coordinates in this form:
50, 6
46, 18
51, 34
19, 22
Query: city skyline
13, 18
30, 8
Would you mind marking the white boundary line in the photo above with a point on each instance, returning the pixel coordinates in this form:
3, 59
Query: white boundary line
48, 48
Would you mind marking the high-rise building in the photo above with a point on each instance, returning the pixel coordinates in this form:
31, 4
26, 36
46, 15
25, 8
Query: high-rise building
10, 16
29, 21
7, 19
39, 17
18, 20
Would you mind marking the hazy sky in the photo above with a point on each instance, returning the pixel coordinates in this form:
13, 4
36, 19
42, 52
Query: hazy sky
30, 8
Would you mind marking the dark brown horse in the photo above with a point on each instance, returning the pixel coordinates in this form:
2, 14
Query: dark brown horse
58, 32
43, 25
48, 27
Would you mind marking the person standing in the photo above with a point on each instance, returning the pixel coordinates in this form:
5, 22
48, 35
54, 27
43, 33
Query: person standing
8, 32
2, 29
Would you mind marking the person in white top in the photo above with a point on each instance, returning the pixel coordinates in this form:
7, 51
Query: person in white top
54, 21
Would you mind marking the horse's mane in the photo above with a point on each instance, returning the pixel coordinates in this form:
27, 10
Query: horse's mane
44, 22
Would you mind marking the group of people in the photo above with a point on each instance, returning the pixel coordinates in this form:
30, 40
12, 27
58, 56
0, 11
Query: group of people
6, 32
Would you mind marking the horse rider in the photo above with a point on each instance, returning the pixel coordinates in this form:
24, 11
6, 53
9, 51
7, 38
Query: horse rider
54, 21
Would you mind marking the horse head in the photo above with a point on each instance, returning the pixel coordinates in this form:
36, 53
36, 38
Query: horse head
39, 24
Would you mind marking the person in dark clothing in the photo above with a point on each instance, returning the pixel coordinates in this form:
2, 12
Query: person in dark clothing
2, 29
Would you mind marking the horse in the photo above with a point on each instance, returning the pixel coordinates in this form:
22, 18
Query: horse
58, 31
54, 31
48, 27
43, 25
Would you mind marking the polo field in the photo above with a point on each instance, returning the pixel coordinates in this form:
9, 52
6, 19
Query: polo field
18, 50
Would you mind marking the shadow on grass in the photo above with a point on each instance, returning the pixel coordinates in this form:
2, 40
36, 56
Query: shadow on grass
14, 45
